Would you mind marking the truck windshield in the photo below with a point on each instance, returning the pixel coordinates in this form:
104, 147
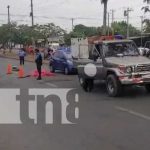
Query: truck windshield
121, 49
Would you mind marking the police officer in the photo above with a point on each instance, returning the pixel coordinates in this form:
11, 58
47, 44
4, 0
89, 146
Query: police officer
22, 55
38, 61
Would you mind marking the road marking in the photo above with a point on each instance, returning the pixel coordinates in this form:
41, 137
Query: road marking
52, 85
133, 113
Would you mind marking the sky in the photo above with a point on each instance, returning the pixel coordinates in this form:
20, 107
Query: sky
60, 12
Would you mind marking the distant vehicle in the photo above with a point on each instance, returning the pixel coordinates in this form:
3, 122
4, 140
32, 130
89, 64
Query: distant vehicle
143, 51
62, 61
54, 46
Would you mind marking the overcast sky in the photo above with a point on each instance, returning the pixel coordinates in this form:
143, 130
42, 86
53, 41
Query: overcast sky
59, 10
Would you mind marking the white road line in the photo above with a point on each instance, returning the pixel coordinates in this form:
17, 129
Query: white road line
133, 113
52, 85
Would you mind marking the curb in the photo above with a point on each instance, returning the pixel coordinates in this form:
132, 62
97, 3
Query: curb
2, 56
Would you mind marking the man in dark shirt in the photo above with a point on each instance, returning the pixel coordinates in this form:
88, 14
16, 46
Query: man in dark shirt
38, 61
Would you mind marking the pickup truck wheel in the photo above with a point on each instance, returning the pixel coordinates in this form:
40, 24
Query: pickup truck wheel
114, 87
147, 87
86, 84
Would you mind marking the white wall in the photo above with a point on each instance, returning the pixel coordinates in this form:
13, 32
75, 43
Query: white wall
79, 48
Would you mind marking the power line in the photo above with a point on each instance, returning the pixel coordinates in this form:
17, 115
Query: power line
51, 5
14, 15
48, 17
77, 18
69, 18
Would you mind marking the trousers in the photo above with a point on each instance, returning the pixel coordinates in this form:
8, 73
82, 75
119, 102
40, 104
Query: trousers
39, 70
21, 60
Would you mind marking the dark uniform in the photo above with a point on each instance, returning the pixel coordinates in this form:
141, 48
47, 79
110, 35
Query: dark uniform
22, 55
38, 61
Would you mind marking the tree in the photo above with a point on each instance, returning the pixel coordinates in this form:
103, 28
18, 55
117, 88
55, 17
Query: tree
146, 21
7, 34
120, 28
24, 34
48, 30
85, 31
147, 26
82, 31
4, 34
146, 8
105, 15
147, 1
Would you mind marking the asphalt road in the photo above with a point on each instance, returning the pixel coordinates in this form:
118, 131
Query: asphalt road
104, 123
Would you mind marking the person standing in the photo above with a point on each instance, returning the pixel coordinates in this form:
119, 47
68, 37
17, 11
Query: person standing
22, 55
38, 61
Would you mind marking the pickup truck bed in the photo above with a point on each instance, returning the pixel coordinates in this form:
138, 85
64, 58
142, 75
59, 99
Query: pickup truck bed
81, 63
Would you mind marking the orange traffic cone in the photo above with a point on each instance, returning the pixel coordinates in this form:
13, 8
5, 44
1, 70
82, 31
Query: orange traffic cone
20, 72
9, 69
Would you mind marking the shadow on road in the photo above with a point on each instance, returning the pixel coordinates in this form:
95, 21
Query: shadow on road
134, 92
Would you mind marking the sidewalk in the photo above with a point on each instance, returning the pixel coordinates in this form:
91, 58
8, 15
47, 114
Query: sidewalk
12, 55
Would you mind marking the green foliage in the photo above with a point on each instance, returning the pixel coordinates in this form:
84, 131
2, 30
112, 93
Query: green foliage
82, 31
146, 21
24, 34
86, 31
121, 28
147, 26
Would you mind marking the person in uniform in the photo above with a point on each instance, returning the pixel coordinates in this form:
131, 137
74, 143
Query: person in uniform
38, 61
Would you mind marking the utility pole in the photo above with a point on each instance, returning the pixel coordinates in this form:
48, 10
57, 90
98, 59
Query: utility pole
8, 7
112, 13
32, 18
142, 18
31, 14
72, 19
9, 28
108, 23
126, 13
128, 34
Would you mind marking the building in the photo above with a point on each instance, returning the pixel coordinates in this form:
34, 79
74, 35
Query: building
56, 39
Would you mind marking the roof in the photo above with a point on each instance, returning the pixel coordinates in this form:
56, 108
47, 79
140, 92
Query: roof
99, 38
116, 41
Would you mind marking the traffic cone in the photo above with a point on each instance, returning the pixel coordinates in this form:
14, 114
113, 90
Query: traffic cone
9, 69
20, 72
